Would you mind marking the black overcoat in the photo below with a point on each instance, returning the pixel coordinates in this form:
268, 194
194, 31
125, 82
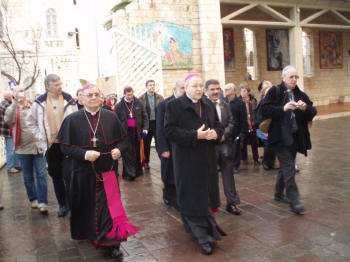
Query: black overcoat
194, 160
272, 107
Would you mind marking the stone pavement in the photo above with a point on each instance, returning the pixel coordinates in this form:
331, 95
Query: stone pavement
266, 231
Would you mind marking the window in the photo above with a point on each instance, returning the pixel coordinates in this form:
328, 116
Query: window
251, 55
1, 25
51, 23
307, 54
77, 40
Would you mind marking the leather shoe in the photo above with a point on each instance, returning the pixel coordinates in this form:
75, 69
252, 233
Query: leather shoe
297, 208
206, 248
282, 199
1, 207
115, 251
62, 211
233, 209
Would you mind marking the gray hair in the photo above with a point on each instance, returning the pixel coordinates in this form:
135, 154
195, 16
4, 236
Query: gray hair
230, 86
244, 85
287, 69
179, 83
51, 78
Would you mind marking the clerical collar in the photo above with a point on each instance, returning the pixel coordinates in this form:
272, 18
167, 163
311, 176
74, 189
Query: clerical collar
92, 113
193, 101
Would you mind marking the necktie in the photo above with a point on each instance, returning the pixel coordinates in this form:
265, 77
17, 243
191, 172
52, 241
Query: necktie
218, 110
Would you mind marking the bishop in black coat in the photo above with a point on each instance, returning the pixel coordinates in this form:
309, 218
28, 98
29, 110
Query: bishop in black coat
193, 159
83, 134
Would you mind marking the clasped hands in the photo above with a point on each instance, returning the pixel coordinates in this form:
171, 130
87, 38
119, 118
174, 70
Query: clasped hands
209, 134
92, 155
292, 105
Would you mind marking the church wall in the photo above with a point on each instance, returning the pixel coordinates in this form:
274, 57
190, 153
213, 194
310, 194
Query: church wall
324, 87
183, 13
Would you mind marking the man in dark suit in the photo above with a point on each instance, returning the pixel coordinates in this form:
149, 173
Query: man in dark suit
225, 149
150, 100
164, 148
239, 113
290, 110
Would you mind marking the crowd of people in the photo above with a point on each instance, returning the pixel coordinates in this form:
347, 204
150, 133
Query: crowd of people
200, 131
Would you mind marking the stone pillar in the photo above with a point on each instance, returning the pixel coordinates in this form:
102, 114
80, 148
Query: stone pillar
211, 43
296, 46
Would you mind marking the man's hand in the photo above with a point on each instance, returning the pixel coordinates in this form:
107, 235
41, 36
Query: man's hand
92, 155
116, 154
301, 105
290, 106
212, 135
201, 134
165, 154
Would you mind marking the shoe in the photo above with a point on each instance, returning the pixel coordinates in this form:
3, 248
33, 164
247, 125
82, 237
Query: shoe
233, 209
34, 204
266, 167
43, 210
62, 211
128, 178
298, 209
256, 163
1, 207
18, 168
13, 171
297, 169
235, 170
166, 201
114, 252
206, 248
282, 199
146, 167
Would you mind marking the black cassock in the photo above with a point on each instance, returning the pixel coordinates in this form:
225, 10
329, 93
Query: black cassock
90, 216
194, 164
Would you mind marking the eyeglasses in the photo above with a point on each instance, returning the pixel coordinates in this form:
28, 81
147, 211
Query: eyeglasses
91, 95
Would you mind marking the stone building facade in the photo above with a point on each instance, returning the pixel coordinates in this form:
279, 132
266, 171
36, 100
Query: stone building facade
207, 19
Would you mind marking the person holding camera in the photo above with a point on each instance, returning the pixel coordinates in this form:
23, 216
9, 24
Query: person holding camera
290, 110
28, 150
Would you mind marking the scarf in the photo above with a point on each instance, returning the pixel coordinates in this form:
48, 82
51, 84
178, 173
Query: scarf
121, 228
16, 131
53, 123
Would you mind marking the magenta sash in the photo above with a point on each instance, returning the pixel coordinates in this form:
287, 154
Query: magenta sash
132, 122
121, 227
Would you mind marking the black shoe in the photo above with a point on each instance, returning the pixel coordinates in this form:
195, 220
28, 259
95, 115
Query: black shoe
282, 199
166, 201
256, 163
1, 207
265, 166
128, 178
233, 209
206, 248
297, 208
115, 251
146, 167
62, 211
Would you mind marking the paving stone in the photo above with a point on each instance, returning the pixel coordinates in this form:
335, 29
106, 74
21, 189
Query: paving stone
266, 230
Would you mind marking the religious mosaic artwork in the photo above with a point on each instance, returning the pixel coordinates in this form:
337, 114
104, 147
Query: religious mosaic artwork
173, 41
331, 50
228, 41
277, 45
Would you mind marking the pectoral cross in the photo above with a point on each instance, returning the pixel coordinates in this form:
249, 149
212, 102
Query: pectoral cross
130, 114
94, 140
